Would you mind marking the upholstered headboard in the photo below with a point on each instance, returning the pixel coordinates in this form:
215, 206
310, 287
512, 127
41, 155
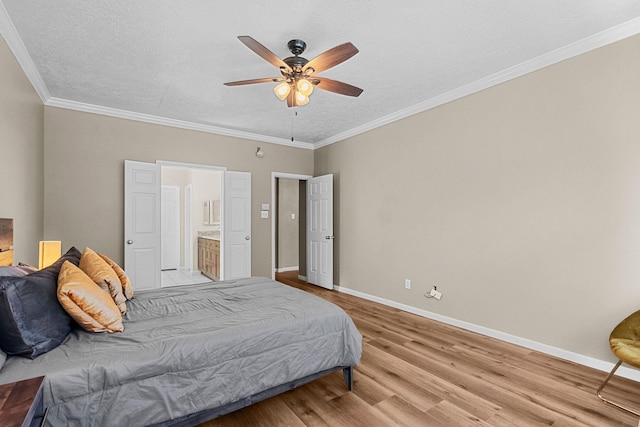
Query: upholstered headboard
6, 241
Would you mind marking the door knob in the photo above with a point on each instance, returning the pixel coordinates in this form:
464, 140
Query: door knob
247, 238
328, 237
129, 242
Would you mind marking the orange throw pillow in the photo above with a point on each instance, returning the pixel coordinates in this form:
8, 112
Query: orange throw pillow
86, 303
127, 286
104, 276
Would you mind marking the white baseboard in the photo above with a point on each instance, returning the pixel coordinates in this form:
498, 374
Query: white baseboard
302, 277
285, 269
581, 359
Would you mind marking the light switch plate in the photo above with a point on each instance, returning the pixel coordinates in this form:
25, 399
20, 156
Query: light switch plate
265, 207
264, 214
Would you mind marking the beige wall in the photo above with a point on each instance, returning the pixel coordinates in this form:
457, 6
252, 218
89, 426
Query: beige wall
521, 203
21, 157
84, 168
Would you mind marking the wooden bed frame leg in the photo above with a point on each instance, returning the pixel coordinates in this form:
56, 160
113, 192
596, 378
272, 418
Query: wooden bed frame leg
348, 376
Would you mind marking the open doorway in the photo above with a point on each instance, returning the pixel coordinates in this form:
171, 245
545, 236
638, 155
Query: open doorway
289, 241
193, 210
290, 223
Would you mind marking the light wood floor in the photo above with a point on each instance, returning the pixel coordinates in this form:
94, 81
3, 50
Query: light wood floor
418, 372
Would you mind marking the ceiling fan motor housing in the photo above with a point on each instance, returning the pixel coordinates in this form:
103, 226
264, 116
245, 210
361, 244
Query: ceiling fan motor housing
296, 62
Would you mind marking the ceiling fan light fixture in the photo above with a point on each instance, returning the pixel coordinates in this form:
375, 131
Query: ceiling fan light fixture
282, 90
305, 87
301, 99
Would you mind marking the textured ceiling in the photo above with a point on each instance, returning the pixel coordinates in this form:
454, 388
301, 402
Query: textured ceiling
169, 59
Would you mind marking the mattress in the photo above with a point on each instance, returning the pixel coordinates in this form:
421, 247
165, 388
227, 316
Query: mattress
190, 348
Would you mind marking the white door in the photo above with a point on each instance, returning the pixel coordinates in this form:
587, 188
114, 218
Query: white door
188, 237
170, 234
236, 228
320, 231
142, 224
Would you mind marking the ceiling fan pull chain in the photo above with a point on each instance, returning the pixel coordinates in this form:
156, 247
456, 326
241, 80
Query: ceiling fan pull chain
295, 114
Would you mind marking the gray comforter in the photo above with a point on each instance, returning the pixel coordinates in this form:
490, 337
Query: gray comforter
190, 348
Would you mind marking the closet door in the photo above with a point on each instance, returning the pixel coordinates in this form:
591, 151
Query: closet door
320, 231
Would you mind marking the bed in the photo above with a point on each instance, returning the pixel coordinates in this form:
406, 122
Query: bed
192, 353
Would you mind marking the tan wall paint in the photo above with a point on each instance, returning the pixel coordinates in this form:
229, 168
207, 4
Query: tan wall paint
21, 157
84, 168
521, 203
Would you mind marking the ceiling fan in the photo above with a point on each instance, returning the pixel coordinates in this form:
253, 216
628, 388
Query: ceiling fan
298, 75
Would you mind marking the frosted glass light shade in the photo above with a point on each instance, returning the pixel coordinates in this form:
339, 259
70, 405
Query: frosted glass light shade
305, 87
282, 90
48, 252
301, 99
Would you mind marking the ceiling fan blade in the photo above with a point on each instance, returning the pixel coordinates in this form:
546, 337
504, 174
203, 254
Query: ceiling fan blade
336, 86
253, 81
263, 52
332, 57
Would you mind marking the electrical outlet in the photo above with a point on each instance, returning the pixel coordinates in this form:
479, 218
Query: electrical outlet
407, 283
433, 293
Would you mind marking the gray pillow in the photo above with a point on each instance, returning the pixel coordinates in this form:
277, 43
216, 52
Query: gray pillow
32, 321
3, 358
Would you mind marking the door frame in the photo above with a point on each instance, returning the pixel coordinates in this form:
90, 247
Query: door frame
274, 176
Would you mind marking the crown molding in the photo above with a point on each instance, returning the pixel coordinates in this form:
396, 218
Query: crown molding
603, 38
148, 118
10, 34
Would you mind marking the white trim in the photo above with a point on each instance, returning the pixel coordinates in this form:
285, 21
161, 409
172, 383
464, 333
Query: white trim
579, 47
523, 342
275, 175
302, 277
285, 269
191, 165
165, 121
10, 34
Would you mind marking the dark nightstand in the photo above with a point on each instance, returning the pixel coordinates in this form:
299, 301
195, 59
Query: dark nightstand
21, 403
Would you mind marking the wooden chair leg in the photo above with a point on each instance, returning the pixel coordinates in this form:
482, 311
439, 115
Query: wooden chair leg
617, 405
